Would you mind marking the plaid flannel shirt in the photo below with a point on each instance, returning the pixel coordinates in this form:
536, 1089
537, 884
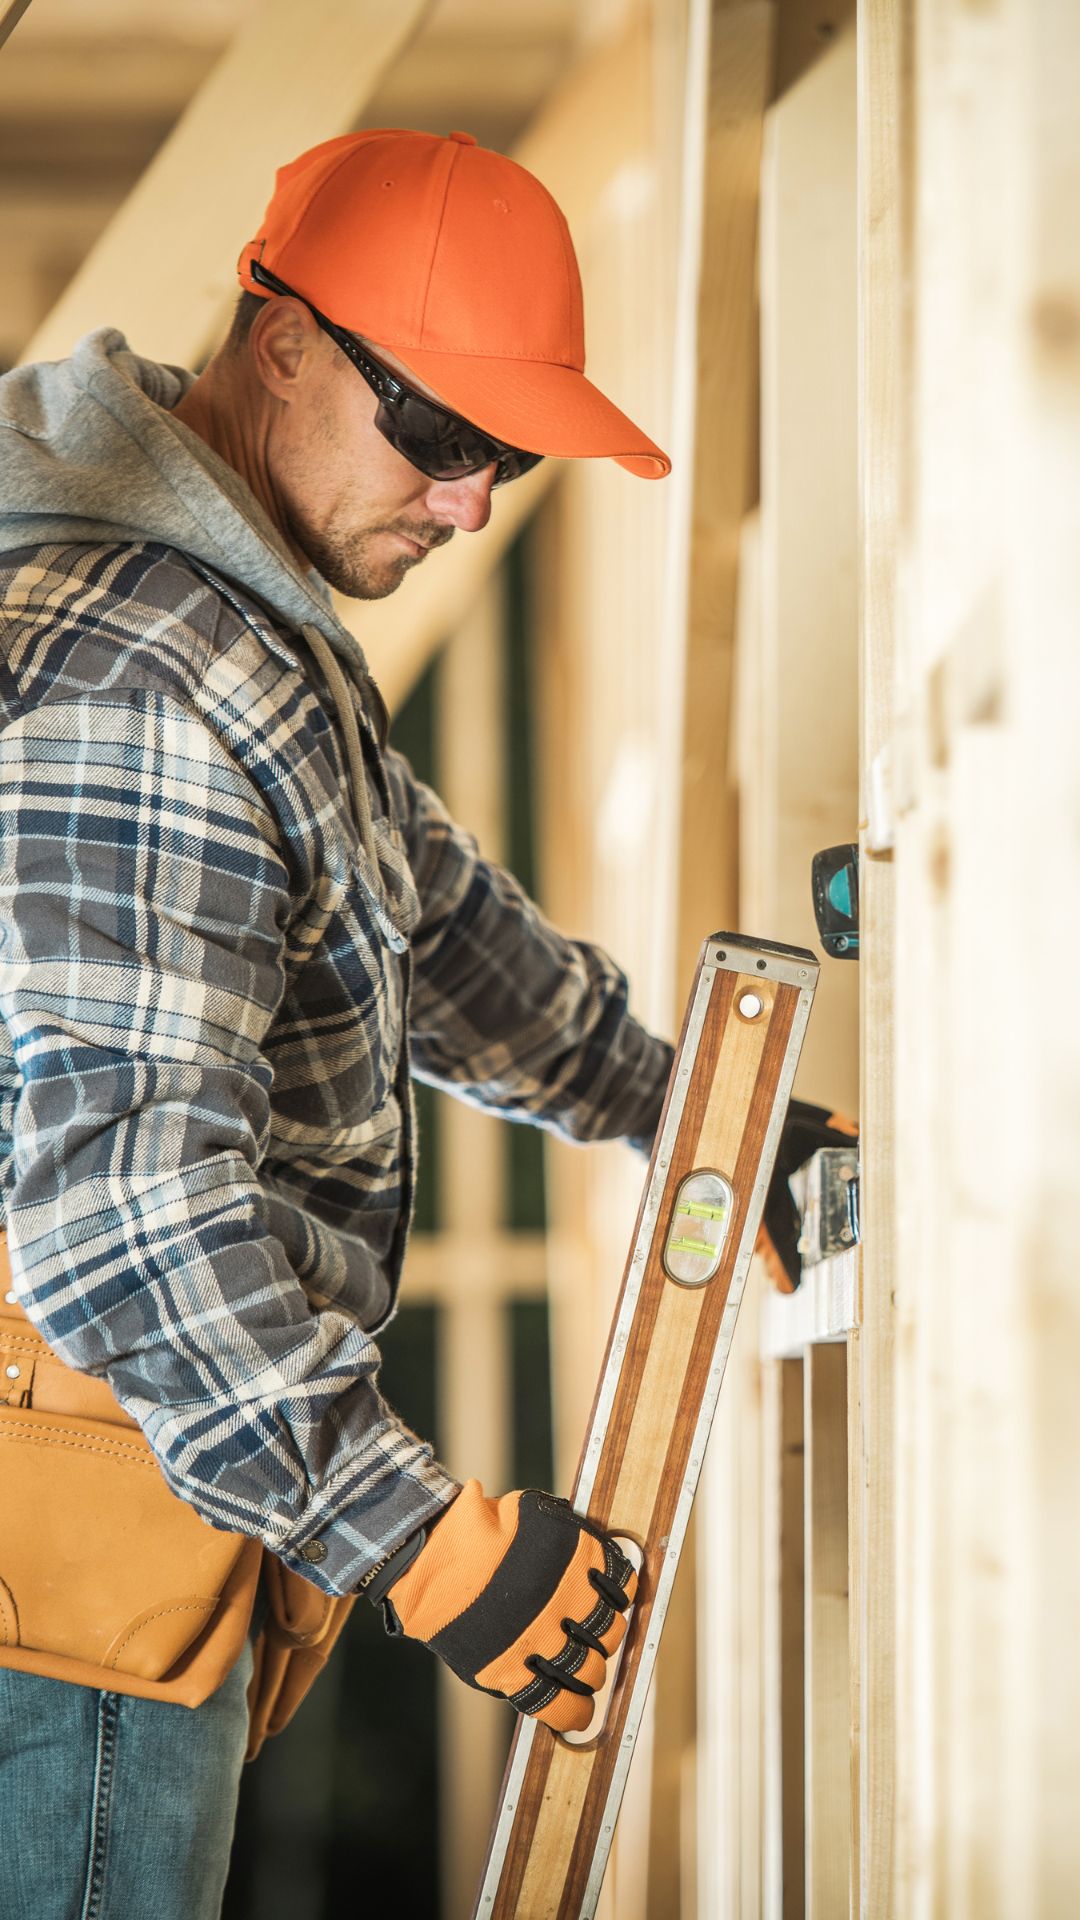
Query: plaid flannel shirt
206, 1139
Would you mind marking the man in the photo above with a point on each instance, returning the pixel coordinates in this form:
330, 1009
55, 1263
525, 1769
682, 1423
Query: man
232, 921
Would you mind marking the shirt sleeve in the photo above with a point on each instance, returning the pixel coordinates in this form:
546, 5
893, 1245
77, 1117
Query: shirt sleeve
144, 908
507, 1011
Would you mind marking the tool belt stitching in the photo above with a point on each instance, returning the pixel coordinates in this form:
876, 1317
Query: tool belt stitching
159, 1613
123, 1451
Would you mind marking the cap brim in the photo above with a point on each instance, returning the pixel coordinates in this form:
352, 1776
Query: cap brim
535, 405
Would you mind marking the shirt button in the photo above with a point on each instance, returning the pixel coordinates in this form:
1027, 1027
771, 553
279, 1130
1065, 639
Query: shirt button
313, 1552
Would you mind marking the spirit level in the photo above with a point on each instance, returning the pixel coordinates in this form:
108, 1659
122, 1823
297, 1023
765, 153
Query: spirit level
714, 1153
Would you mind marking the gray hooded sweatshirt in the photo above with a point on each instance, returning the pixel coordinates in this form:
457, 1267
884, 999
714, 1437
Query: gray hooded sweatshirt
231, 923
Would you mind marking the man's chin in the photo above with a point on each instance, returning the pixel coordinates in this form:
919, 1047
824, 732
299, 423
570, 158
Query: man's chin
379, 584
368, 583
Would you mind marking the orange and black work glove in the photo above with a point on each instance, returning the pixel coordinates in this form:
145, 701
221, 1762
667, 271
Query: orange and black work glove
806, 1129
520, 1596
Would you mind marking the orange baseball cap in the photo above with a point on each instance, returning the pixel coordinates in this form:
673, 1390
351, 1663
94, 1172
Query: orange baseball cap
460, 262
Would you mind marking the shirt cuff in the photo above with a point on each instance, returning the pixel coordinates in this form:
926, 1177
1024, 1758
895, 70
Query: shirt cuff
372, 1515
655, 1072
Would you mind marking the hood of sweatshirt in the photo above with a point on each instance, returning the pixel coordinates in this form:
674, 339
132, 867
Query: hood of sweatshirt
90, 454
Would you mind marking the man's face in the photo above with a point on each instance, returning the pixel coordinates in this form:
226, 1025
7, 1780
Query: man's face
358, 511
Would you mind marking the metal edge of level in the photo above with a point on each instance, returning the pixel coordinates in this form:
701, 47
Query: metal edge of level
608, 1388
792, 966
681, 1518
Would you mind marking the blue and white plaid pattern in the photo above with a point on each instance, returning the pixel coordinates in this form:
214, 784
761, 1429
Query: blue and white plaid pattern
206, 1140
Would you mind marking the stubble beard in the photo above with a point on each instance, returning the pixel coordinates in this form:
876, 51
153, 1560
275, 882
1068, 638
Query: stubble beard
352, 566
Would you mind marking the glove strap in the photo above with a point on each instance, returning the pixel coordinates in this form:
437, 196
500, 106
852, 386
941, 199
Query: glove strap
382, 1576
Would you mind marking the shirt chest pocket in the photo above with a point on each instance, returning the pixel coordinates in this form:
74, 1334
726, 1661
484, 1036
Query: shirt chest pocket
337, 1040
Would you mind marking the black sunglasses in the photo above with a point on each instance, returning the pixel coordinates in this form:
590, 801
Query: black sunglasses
437, 442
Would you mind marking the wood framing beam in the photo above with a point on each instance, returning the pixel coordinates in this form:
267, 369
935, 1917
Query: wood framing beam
782, 1827
493, 1265
716, 413
723, 345
883, 30
1041, 513
163, 270
828, 1834
804, 787
731, 1613
807, 29
475, 1390
10, 17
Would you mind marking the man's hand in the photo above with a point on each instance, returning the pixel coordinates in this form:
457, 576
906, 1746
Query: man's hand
806, 1129
521, 1597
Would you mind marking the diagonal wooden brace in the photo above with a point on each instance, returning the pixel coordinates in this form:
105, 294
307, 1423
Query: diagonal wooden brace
711, 1165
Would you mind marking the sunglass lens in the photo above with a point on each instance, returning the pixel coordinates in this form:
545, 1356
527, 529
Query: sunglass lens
512, 463
430, 438
442, 445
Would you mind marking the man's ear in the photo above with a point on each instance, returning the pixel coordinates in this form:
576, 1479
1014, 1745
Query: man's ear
284, 344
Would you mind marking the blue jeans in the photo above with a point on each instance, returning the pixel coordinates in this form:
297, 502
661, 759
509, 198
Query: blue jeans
113, 1808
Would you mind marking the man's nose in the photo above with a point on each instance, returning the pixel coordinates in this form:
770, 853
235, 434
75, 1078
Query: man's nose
464, 503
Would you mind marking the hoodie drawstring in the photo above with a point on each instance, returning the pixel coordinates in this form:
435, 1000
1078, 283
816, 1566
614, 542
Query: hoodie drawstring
354, 752
368, 867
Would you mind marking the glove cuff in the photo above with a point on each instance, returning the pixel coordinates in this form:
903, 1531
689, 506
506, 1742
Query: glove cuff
378, 1582
460, 1557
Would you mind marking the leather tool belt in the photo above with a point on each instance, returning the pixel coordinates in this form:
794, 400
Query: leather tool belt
107, 1578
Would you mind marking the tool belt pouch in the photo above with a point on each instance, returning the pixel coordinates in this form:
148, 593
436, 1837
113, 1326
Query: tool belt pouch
107, 1578
294, 1646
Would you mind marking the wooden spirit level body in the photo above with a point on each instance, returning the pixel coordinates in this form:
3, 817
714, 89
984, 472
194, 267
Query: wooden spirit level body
730, 1086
